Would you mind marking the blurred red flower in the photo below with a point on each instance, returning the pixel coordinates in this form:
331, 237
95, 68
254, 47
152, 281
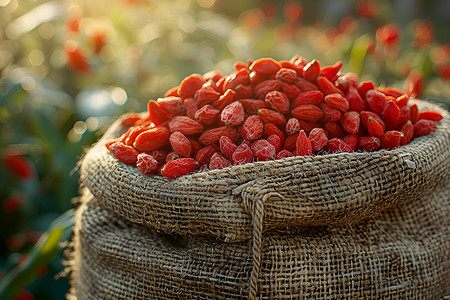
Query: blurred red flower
19, 165
423, 33
267, 12
366, 9
97, 40
76, 60
12, 203
443, 70
293, 11
388, 35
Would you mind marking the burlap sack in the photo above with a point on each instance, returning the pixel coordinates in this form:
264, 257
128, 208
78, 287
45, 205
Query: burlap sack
236, 202
404, 253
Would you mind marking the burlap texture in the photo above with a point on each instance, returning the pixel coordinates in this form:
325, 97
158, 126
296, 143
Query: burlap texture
404, 253
299, 191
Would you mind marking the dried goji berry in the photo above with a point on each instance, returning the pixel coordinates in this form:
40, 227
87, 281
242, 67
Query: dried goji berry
227, 147
212, 75
271, 116
331, 72
152, 139
408, 131
242, 155
424, 127
327, 87
365, 86
291, 66
350, 122
299, 61
240, 77
291, 142
244, 91
185, 125
180, 144
233, 114
191, 107
128, 120
402, 101
334, 130
318, 139
292, 126
252, 129
329, 113
368, 143
265, 87
391, 115
337, 101
307, 112
179, 167
364, 115
376, 101
263, 150
124, 153
344, 82
218, 162
158, 154
311, 97
131, 137
390, 91
355, 102
172, 92
337, 145
303, 144
312, 70
251, 106
256, 77
283, 154
290, 90
206, 95
429, 115
275, 141
146, 163
227, 98
173, 105
266, 66
270, 129
213, 135
413, 113
204, 155
206, 115
351, 140
305, 85
391, 139
239, 65
375, 128
156, 114
278, 101
190, 85
286, 75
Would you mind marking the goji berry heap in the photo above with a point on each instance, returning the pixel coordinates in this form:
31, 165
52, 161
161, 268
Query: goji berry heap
267, 110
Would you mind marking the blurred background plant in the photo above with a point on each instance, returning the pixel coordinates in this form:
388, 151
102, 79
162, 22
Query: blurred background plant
68, 68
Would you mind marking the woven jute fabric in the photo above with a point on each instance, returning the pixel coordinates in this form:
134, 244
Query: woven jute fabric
333, 189
404, 253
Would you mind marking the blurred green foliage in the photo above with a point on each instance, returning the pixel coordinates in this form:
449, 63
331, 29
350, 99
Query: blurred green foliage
68, 68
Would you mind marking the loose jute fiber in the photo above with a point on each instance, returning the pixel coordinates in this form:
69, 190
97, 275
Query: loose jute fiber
404, 253
235, 203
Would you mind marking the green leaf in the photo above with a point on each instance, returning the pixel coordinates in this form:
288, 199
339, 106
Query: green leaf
42, 253
358, 53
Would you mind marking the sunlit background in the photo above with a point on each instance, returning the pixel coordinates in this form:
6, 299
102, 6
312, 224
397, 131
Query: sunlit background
69, 68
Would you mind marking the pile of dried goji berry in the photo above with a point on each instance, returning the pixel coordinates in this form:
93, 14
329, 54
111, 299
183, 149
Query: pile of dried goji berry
267, 110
